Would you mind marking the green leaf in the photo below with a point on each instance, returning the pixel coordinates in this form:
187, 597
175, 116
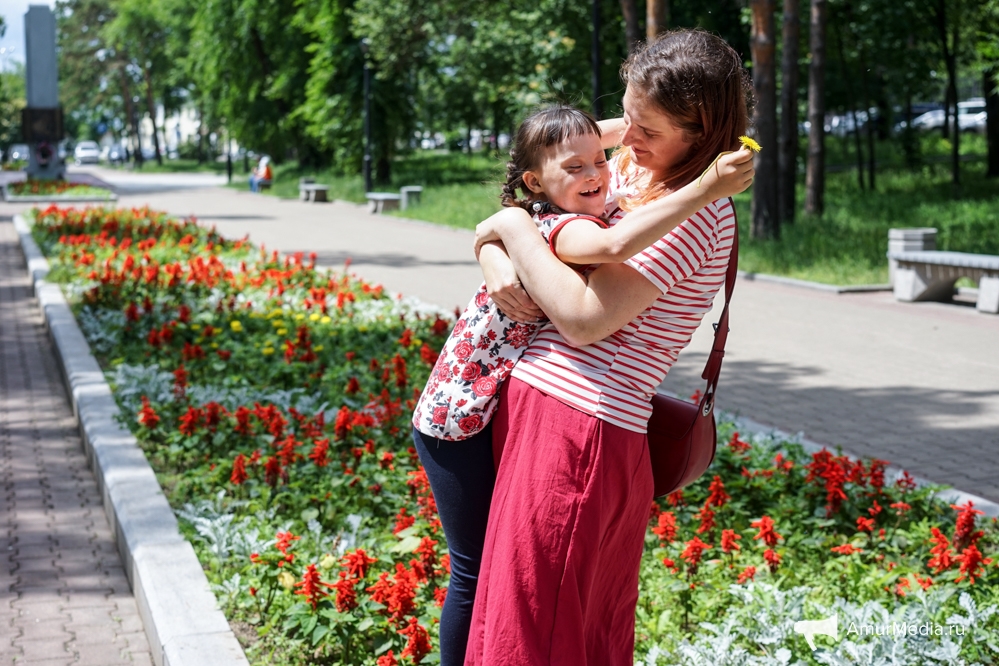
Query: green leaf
407, 545
318, 633
365, 624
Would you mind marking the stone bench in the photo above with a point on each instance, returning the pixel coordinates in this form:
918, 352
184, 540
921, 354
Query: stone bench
930, 276
313, 192
379, 202
410, 195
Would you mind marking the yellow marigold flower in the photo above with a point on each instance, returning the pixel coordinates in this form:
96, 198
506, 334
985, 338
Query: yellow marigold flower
286, 579
195, 327
318, 348
277, 324
215, 345
299, 317
325, 320
236, 326
750, 143
267, 351
282, 331
328, 561
314, 317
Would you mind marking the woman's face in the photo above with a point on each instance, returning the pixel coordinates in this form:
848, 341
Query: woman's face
573, 176
656, 144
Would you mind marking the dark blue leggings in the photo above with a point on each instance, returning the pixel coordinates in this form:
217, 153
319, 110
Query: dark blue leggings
462, 477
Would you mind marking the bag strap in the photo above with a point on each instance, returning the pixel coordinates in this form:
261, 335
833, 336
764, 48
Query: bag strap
712, 369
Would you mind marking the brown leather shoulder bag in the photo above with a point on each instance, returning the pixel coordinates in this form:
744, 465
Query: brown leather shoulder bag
682, 436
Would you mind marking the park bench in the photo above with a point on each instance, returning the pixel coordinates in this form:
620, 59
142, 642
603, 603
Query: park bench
313, 192
929, 275
410, 195
379, 202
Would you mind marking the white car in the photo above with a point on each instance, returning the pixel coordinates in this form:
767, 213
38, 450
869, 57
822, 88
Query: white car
87, 152
970, 117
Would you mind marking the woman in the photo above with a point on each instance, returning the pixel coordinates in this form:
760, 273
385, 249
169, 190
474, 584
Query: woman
559, 577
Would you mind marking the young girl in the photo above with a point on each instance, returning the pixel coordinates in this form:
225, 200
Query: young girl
558, 162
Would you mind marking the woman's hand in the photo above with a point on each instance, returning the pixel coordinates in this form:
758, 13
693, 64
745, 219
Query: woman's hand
504, 287
731, 174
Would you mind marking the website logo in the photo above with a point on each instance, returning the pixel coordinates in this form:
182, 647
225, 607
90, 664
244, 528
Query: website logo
812, 628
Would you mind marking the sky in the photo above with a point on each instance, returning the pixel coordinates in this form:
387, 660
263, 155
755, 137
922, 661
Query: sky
13, 12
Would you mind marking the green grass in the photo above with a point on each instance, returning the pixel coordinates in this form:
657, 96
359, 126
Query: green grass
186, 166
846, 246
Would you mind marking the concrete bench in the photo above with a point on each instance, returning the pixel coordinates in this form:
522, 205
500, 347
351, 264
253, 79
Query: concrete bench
379, 202
930, 276
313, 192
410, 195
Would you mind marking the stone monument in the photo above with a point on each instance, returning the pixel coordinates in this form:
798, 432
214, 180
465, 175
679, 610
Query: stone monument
41, 121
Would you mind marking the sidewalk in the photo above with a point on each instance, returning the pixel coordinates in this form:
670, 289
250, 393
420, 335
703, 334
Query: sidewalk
916, 384
64, 597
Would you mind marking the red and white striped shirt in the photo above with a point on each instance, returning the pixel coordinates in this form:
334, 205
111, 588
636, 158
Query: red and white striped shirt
614, 379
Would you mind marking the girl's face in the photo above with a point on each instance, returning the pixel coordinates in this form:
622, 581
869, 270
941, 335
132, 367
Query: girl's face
573, 176
656, 144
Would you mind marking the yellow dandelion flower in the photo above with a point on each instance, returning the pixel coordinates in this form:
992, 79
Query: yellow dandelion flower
750, 143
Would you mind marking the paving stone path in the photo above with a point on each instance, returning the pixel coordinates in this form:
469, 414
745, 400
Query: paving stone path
64, 597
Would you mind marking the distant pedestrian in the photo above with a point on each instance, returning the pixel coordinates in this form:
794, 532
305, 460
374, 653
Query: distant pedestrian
262, 175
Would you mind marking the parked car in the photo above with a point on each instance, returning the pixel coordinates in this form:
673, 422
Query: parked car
970, 117
18, 152
87, 152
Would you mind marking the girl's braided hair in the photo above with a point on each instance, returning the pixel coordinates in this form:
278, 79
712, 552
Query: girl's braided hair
546, 127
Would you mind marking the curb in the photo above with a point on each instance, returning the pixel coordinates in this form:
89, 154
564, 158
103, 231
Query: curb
178, 609
820, 286
949, 495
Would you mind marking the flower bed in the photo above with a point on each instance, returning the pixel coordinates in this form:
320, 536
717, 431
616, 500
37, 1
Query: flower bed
273, 401
32, 190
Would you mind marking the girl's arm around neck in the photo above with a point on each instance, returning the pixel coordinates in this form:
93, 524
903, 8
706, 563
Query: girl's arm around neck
611, 132
582, 242
583, 309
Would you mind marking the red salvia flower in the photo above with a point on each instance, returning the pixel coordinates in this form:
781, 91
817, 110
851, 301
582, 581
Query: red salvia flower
749, 573
357, 563
342, 423
346, 595
403, 521
876, 474
923, 582
387, 659
353, 386
311, 586
971, 559
717, 497
846, 549
147, 416
942, 557
284, 541
273, 471
319, 451
190, 421
675, 498
737, 445
428, 355
238, 475
707, 518
666, 529
767, 532
440, 596
875, 509
406, 339
772, 558
728, 541
865, 524
243, 425
900, 507
428, 553
964, 531
905, 482
671, 565
693, 551
180, 381
418, 645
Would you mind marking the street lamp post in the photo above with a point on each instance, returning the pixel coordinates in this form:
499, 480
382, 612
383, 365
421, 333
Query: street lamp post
367, 117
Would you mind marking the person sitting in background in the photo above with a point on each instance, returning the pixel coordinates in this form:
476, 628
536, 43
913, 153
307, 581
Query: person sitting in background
262, 174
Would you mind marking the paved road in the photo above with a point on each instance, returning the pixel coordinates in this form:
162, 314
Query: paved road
64, 597
916, 384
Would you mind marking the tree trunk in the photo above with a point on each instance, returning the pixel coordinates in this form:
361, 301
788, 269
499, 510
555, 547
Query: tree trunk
596, 62
788, 158
851, 103
632, 35
871, 157
989, 87
151, 105
132, 116
201, 134
656, 17
815, 178
766, 220
955, 146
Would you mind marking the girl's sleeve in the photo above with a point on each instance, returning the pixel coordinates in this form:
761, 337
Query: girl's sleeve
680, 253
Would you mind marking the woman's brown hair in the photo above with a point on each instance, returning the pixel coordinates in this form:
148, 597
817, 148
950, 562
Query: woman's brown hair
697, 80
546, 127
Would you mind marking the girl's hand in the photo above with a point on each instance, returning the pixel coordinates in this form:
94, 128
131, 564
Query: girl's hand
731, 174
504, 287
485, 232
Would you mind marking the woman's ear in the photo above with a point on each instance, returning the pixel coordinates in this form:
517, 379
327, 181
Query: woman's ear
532, 182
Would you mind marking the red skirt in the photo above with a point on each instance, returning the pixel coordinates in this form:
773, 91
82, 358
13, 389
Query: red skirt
559, 576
